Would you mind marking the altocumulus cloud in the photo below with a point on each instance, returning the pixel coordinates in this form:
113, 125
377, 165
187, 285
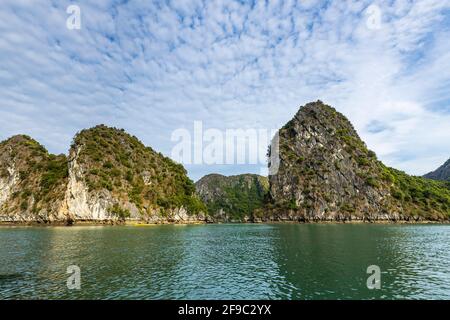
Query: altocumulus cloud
154, 67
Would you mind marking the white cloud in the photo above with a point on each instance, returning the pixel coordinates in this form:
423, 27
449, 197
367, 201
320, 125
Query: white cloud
152, 68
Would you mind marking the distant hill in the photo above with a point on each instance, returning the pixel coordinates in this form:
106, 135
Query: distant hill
232, 198
441, 173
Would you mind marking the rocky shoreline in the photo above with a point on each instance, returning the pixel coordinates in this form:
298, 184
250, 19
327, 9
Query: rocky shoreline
204, 222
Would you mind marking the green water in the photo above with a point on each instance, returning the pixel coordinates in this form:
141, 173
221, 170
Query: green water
242, 261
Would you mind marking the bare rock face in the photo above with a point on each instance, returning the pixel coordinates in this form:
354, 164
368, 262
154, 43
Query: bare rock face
233, 198
82, 204
327, 173
441, 173
109, 176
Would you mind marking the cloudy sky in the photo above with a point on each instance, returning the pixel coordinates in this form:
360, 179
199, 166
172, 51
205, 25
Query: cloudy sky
155, 67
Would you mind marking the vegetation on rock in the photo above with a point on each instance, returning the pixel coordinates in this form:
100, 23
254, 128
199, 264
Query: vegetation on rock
120, 163
232, 198
326, 172
117, 170
35, 180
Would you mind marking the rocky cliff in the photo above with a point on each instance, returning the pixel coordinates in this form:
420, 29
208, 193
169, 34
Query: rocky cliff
327, 173
233, 198
108, 176
32, 181
441, 173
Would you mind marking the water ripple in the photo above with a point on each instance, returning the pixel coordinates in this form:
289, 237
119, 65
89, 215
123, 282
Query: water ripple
226, 262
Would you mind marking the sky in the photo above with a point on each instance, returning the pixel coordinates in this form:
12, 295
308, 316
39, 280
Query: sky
156, 67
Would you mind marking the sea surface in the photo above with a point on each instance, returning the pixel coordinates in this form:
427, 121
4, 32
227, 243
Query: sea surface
226, 261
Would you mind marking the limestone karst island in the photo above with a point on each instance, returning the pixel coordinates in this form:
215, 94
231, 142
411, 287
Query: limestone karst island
326, 173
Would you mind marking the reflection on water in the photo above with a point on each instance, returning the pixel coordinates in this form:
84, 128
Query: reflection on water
245, 261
